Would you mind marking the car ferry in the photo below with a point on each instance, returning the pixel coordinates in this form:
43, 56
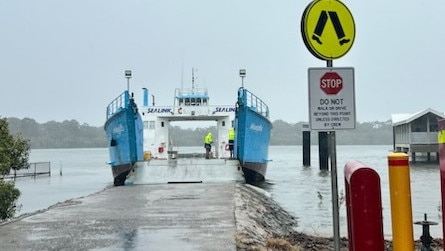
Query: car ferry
161, 160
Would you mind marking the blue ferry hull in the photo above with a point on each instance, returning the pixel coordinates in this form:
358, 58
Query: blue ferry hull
124, 131
252, 127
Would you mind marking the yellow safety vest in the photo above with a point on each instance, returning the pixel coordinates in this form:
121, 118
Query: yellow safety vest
208, 139
232, 134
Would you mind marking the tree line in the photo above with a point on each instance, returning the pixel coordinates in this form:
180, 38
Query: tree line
52, 134
72, 134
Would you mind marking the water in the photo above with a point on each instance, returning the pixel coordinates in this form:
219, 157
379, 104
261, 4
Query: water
84, 171
295, 187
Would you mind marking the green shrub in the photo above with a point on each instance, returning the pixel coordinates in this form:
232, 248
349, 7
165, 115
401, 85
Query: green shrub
8, 198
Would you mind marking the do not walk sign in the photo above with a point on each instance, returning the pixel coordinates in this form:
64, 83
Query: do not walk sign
331, 98
328, 29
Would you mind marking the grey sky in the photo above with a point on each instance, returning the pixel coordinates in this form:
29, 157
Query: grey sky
64, 60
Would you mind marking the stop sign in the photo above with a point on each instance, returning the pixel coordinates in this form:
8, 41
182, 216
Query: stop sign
331, 83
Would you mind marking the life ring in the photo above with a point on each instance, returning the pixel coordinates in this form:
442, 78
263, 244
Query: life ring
160, 149
227, 147
180, 110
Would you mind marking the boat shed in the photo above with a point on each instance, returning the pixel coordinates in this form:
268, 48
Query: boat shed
416, 133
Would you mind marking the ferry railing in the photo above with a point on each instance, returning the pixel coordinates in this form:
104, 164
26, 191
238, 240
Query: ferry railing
179, 92
119, 103
256, 104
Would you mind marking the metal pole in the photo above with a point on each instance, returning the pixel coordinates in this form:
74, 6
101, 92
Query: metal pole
329, 63
335, 211
333, 157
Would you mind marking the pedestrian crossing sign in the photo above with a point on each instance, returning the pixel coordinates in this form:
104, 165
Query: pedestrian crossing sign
328, 29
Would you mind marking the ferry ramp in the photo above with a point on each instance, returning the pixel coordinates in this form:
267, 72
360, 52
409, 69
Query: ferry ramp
180, 216
186, 170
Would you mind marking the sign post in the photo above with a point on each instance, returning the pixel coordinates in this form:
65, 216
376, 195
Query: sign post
332, 107
328, 31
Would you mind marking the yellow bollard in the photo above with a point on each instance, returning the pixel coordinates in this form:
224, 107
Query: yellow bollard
400, 197
147, 155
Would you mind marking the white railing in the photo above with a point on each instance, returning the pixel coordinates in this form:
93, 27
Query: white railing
191, 92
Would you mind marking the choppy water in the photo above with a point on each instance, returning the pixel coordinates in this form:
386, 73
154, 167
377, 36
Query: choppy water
84, 171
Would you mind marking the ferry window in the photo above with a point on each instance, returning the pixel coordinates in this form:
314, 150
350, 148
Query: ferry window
181, 101
204, 101
198, 101
187, 101
192, 101
152, 125
224, 123
162, 124
145, 124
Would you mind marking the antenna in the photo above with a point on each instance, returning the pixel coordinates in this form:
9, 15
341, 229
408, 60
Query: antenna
182, 75
193, 78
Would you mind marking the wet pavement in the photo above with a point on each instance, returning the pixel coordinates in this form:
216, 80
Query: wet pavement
193, 216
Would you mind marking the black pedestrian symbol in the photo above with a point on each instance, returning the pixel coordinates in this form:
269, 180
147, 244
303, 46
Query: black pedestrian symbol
321, 23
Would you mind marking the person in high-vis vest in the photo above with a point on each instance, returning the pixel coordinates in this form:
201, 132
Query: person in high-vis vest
231, 141
208, 140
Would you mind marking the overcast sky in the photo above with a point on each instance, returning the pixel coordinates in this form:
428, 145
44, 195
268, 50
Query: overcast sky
63, 60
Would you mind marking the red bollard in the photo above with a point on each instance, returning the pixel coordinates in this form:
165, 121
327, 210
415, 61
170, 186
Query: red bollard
363, 208
441, 141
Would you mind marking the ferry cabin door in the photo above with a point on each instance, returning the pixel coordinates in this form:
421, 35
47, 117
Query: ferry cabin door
223, 127
162, 138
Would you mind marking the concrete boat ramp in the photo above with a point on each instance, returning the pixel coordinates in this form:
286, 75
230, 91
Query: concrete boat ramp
139, 217
151, 216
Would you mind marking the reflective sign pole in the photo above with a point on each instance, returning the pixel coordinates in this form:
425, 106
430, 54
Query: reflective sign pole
334, 185
329, 42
